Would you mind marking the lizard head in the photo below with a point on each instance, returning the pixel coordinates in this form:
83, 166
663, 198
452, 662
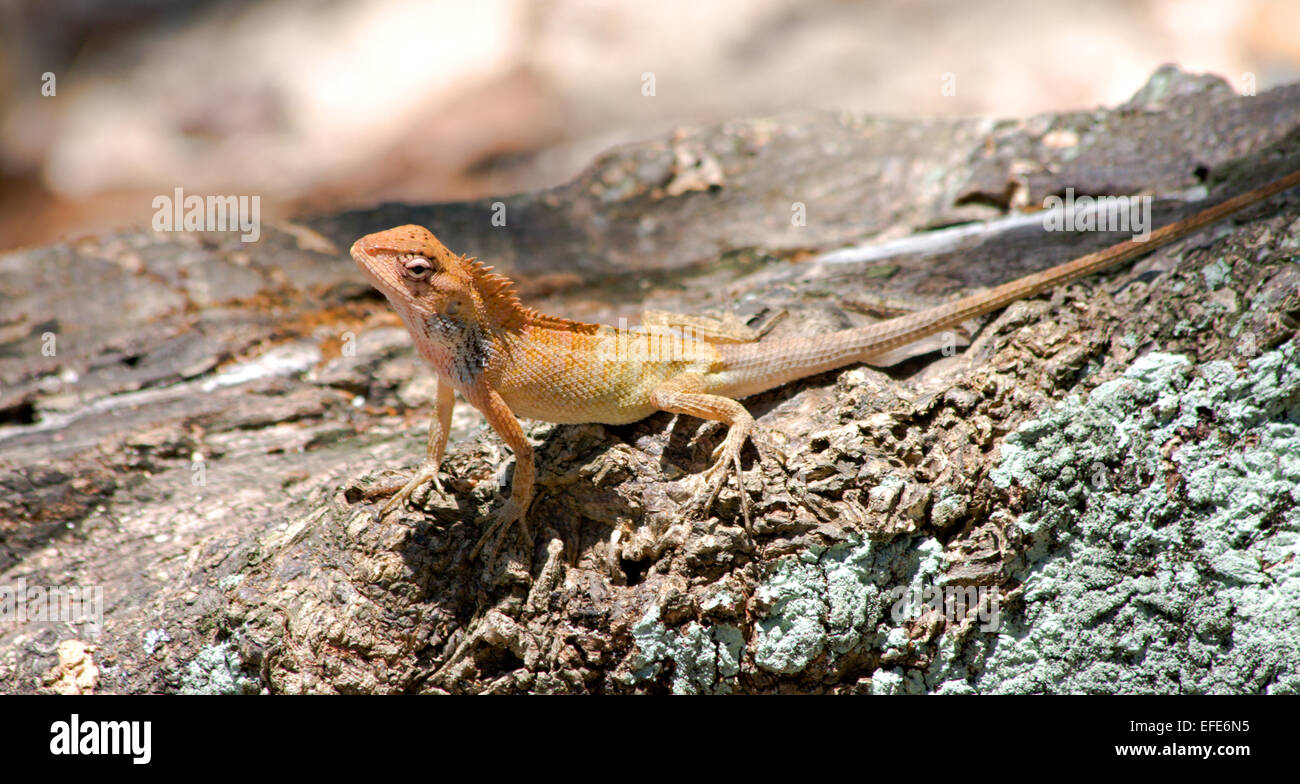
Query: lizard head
418, 274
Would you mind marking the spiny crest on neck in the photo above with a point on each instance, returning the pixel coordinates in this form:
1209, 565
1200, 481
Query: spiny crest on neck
497, 293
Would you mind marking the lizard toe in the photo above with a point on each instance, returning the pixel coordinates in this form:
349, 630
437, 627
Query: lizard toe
726, 464
511, 513
426, 474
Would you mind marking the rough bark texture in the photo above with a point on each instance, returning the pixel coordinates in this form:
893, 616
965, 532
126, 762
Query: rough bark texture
1115, 463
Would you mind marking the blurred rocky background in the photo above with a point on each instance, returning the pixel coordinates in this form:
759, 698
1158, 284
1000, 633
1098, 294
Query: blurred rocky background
318, 106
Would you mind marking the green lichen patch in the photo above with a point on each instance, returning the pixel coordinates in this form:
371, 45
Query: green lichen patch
216, 670
703, 659
1162, 531
839, 602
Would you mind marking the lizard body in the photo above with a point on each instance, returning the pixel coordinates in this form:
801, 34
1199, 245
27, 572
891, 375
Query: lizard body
511, 361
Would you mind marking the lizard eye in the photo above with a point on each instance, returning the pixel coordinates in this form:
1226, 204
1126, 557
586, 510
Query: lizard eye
418, 268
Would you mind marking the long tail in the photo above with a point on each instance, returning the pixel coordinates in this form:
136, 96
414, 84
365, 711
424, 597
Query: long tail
754, 367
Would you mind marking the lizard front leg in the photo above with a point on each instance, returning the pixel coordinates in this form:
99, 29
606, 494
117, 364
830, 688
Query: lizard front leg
439, 426
503, 421
683, 395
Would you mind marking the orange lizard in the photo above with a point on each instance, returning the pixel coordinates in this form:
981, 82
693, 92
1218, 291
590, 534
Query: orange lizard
509, 361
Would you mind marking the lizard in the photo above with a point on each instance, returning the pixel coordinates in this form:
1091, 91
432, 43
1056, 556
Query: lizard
509, 360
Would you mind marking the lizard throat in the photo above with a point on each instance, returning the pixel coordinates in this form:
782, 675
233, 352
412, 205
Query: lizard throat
465, 349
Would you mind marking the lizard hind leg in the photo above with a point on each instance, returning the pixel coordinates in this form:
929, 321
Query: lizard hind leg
680, 395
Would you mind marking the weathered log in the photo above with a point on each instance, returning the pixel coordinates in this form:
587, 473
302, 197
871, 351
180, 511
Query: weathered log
1114, 465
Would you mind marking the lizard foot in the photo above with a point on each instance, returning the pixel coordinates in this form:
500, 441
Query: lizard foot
726, 459
510, 514
428, 472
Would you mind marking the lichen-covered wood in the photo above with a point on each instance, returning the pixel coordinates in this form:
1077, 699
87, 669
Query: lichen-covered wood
198, 433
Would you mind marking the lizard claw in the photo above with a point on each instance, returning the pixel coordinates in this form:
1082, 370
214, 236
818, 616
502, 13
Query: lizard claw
511, 513
428, 472
726, 461
726, 458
